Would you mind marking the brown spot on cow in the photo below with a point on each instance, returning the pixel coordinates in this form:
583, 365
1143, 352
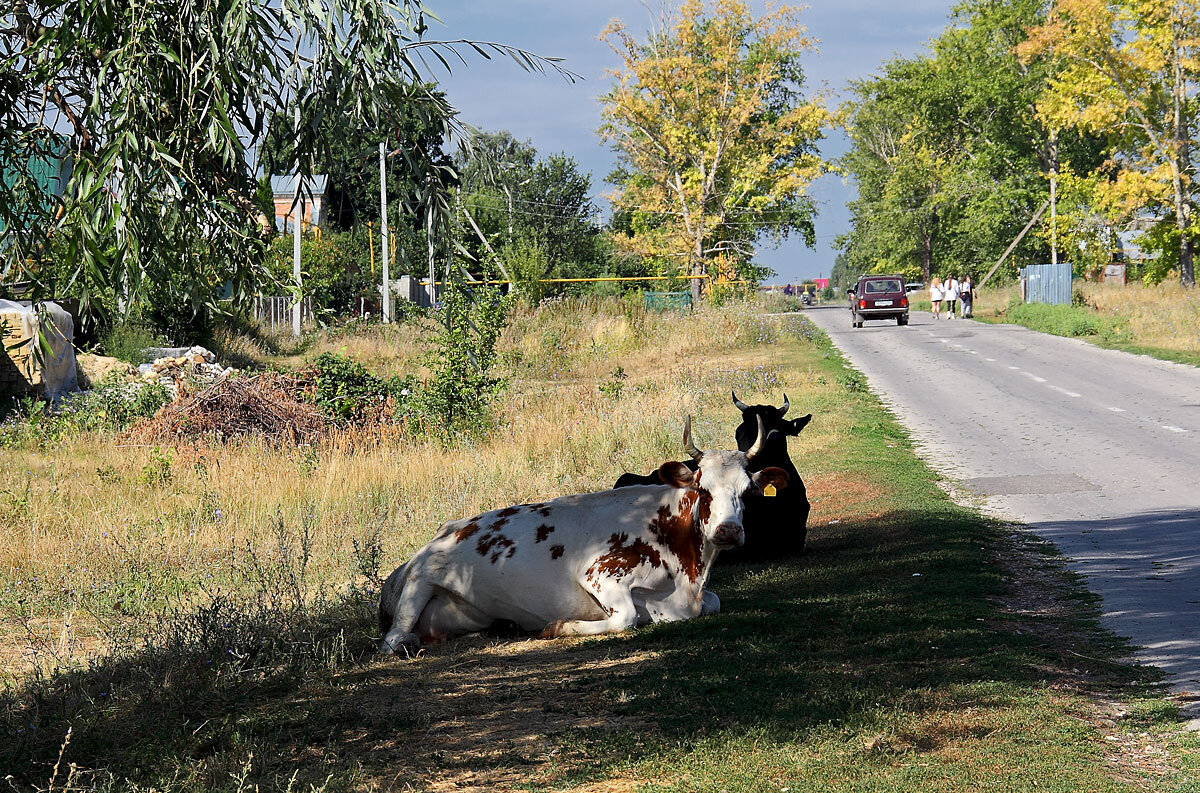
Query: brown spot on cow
623, 557
466, 532
680, 533
543, 532
508, 512
557, 551
495, 543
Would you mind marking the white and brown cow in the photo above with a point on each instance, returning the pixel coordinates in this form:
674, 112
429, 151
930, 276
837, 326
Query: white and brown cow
579, 565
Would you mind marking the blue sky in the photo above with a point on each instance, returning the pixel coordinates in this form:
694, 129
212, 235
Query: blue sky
856, 37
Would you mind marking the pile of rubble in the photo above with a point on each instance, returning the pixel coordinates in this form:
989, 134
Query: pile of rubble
175, 366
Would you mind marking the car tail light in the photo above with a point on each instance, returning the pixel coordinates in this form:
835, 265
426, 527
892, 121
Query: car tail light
904, 302
862, 304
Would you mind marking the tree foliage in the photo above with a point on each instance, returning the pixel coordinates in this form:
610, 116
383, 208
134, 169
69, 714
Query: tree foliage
948, 153
158, 102
535, 213
1130, 69
715, 141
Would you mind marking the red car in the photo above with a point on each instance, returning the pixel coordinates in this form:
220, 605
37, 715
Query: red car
879, 297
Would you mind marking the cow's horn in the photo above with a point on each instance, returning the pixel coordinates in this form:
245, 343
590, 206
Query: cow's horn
739, 404
759, 441
783, 409
687, 440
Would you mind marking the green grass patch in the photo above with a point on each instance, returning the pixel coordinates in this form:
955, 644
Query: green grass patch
1082, 322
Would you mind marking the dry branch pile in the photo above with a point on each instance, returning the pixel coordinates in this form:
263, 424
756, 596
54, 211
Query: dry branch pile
268, 404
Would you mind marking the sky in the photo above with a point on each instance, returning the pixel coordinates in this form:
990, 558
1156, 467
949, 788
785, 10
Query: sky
856, 37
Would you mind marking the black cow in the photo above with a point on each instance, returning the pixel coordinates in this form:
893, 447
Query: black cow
775, 525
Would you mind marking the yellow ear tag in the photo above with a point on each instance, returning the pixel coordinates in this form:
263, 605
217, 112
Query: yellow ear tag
769, 491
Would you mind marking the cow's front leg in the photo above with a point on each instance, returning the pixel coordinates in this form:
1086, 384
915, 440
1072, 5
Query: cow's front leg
709, 603
615, 598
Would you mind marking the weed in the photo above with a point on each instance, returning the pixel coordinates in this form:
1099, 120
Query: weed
615, 385
157, 470
127, 341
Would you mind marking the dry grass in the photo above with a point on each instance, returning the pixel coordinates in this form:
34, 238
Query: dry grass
1163, 317
1166, 315
109, 528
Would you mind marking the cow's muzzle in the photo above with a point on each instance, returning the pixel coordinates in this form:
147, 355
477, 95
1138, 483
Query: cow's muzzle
729, 535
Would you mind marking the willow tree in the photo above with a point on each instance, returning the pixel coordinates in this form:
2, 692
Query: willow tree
157, 106
715, 140
1131, 69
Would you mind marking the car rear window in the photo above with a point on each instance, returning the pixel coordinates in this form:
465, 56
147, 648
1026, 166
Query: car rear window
882, 286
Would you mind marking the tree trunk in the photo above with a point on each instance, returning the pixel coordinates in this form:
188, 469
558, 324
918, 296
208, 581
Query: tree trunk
927, 255
1181, 135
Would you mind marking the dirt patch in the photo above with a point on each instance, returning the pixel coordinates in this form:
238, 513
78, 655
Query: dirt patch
839, 495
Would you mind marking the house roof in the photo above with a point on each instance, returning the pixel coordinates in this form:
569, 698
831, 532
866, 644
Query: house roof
285, 186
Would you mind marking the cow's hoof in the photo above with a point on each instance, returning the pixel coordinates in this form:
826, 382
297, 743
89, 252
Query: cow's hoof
406, 644
553, 630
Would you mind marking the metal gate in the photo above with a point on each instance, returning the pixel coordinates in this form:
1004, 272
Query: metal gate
1047, 283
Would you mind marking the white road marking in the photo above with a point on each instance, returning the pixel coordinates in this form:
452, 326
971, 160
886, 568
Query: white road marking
1173, 429
1064, 391
944, 341
993, 360
1015, 368
1034, 377
1117, 410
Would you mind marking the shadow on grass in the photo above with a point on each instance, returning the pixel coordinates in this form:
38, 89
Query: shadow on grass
909, 611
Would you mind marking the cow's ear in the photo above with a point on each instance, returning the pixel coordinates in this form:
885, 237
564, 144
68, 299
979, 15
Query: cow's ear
677, 474
800, 424
770, 476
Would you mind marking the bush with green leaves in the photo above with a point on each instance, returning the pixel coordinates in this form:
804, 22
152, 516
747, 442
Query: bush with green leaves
345, 389
110, 407
334, 269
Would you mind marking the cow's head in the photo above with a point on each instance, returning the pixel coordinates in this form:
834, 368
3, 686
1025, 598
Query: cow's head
720, 482
773, 421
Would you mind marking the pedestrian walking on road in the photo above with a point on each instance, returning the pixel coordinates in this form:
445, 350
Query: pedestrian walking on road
968, 298
935, 295
950, 291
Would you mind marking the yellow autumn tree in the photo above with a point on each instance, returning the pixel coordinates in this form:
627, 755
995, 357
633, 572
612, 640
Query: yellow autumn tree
1131, 69
715, 141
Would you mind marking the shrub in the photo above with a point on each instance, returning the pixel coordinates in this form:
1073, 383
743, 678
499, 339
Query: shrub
345, 389
458, 396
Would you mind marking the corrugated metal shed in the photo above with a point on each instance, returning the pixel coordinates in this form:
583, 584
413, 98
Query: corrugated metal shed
1047, 283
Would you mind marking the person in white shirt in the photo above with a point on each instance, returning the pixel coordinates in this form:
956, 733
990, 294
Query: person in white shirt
967, 297
935, 295
950, 291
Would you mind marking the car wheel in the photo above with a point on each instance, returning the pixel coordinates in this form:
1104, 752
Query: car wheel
901, 320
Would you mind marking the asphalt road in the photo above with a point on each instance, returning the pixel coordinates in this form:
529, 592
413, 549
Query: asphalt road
1096, 450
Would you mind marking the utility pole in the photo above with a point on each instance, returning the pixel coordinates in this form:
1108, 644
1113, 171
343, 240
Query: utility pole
1053, 196
297, 221
383, 230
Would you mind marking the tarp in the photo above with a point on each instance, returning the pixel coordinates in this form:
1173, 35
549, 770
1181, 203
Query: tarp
57, 365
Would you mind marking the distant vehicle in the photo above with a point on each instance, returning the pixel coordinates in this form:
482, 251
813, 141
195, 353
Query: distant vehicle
914, 286
878, 297
806, 298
